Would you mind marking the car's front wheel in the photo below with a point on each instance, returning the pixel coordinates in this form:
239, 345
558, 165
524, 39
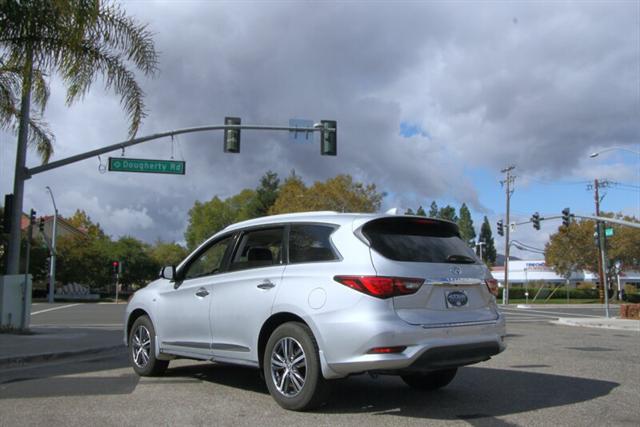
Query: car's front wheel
430, 380
291, 367
142, 354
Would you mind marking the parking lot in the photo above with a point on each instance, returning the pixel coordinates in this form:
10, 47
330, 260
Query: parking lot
550, 374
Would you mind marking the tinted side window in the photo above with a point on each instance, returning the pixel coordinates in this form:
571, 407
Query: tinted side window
418, 240
209, 261
258, 248
310, 243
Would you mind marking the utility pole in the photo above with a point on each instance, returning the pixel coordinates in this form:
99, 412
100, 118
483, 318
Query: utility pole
601, 256
507, 183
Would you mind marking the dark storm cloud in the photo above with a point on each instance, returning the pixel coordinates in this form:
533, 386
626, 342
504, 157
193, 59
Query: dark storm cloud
492, 84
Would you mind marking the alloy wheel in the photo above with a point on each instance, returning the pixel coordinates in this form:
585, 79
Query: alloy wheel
288, 367
141, 346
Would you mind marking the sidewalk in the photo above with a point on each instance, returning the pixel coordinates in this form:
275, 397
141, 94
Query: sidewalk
51, 343
600, 322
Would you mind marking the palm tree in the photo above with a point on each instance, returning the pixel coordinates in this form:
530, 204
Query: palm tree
79, 40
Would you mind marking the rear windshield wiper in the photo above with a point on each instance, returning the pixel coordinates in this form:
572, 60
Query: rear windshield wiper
460, 259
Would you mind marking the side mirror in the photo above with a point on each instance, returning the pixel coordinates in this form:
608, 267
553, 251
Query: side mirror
168, 272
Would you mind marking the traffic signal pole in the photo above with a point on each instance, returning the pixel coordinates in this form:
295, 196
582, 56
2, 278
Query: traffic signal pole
23, 173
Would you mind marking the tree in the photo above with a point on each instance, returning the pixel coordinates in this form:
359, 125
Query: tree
339, 194
266, 194
292, 196
433, 210
164, 253
449, 213
85, 260
489, 248
82, 221
138, 266
80, 41
409, 212
465, 224
420, 211
206, 219
574, 247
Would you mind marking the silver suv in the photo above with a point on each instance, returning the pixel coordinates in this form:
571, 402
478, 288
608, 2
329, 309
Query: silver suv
310, 297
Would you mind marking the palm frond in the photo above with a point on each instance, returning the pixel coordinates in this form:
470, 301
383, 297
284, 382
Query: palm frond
79, 76
41, 137
125, 34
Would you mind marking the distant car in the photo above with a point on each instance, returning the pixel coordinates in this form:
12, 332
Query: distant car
315, 296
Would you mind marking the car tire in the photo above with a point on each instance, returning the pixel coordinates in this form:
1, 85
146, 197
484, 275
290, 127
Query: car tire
430, 380
291, 367
142, 344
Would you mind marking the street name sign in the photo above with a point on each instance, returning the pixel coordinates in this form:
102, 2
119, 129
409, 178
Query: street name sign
123, 164
608, 232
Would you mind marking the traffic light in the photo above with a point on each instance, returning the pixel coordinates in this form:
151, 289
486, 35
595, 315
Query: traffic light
500, 225
8, 209
566, 217
535, 219
328, 139
232, 136
32, 217
115, 265
41, 225
596, 239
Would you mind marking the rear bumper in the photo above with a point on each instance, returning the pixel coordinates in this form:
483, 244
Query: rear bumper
427, 348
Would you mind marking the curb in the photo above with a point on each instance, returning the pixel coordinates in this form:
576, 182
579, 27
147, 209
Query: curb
21, 361
614, 323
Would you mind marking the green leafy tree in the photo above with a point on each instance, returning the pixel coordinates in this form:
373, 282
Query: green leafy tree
433, 210
265, 195
164, 253
78, 40
465, 224
82, 222
573, 247
420, 211
409, 212
206, 219
292, 196
85, 260
449, 213
341, 194
489, 248
138, 266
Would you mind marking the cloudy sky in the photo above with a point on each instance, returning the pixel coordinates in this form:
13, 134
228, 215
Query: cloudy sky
432, 100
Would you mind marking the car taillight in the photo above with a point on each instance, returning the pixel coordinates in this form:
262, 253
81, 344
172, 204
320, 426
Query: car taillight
381, 287
492, 285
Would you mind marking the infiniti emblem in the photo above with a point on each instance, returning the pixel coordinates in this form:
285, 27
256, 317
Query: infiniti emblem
456, 270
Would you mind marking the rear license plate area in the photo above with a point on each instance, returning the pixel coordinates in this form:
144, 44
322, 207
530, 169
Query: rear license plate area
456, 298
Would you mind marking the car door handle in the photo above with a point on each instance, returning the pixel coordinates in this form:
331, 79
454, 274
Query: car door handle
202, 292
267, 284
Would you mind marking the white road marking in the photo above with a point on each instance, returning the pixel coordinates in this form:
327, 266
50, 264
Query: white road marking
54, 308
528, 310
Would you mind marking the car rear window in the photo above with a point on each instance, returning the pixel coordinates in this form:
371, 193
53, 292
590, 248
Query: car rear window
310, 243
418, 240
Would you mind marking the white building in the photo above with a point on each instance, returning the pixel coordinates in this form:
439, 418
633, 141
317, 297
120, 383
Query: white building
526, 271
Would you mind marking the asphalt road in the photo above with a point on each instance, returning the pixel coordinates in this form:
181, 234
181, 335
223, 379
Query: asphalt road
549, 375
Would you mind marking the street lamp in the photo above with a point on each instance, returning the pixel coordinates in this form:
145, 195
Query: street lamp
52, 266
597, 153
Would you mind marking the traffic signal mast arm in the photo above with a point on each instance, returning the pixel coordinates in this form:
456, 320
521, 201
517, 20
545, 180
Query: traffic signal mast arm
29, 172
595, 218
